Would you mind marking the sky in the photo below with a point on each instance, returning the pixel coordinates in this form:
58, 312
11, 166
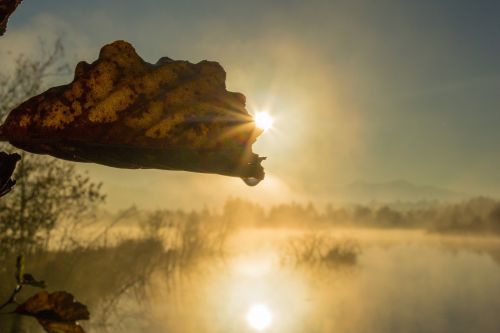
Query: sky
360, 90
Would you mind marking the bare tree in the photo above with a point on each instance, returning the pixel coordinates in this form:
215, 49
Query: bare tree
48, 190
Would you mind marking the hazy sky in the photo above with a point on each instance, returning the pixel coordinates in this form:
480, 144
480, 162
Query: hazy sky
361, 90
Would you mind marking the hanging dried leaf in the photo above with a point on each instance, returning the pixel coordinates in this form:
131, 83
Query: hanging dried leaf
28, 279
7, 166
57, 312
60, 327
124, 112
7, 7
19, 268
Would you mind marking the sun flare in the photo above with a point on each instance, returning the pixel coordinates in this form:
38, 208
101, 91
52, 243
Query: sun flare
263, 120
259, 317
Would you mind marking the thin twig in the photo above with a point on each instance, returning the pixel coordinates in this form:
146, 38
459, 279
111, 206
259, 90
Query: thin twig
12, 298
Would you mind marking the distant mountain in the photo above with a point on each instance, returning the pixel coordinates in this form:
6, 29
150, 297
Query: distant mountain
398, 190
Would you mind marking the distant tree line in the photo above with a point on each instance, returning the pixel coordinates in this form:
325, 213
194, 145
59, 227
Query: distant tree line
476, 215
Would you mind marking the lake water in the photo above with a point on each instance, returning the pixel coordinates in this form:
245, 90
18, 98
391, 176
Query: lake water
403, 281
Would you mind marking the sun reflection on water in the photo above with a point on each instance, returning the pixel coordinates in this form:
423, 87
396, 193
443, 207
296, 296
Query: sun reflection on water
250, 292
264, 295
259, 316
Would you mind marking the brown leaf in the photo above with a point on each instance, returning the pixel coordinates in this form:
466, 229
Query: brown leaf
124, 112
7, 7
60, 327
29, 279
57, 312
7, 166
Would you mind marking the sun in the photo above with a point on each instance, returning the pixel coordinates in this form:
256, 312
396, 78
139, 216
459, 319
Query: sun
263, 120
259, 317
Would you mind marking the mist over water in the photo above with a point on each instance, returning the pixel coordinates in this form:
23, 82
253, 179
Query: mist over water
407, 282
401, 268
395, 281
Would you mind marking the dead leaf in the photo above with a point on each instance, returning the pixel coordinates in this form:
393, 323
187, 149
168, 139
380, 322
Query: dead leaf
28, 279
7, 166
60, 327
123, 112
57, 312
19, 268
7, 7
